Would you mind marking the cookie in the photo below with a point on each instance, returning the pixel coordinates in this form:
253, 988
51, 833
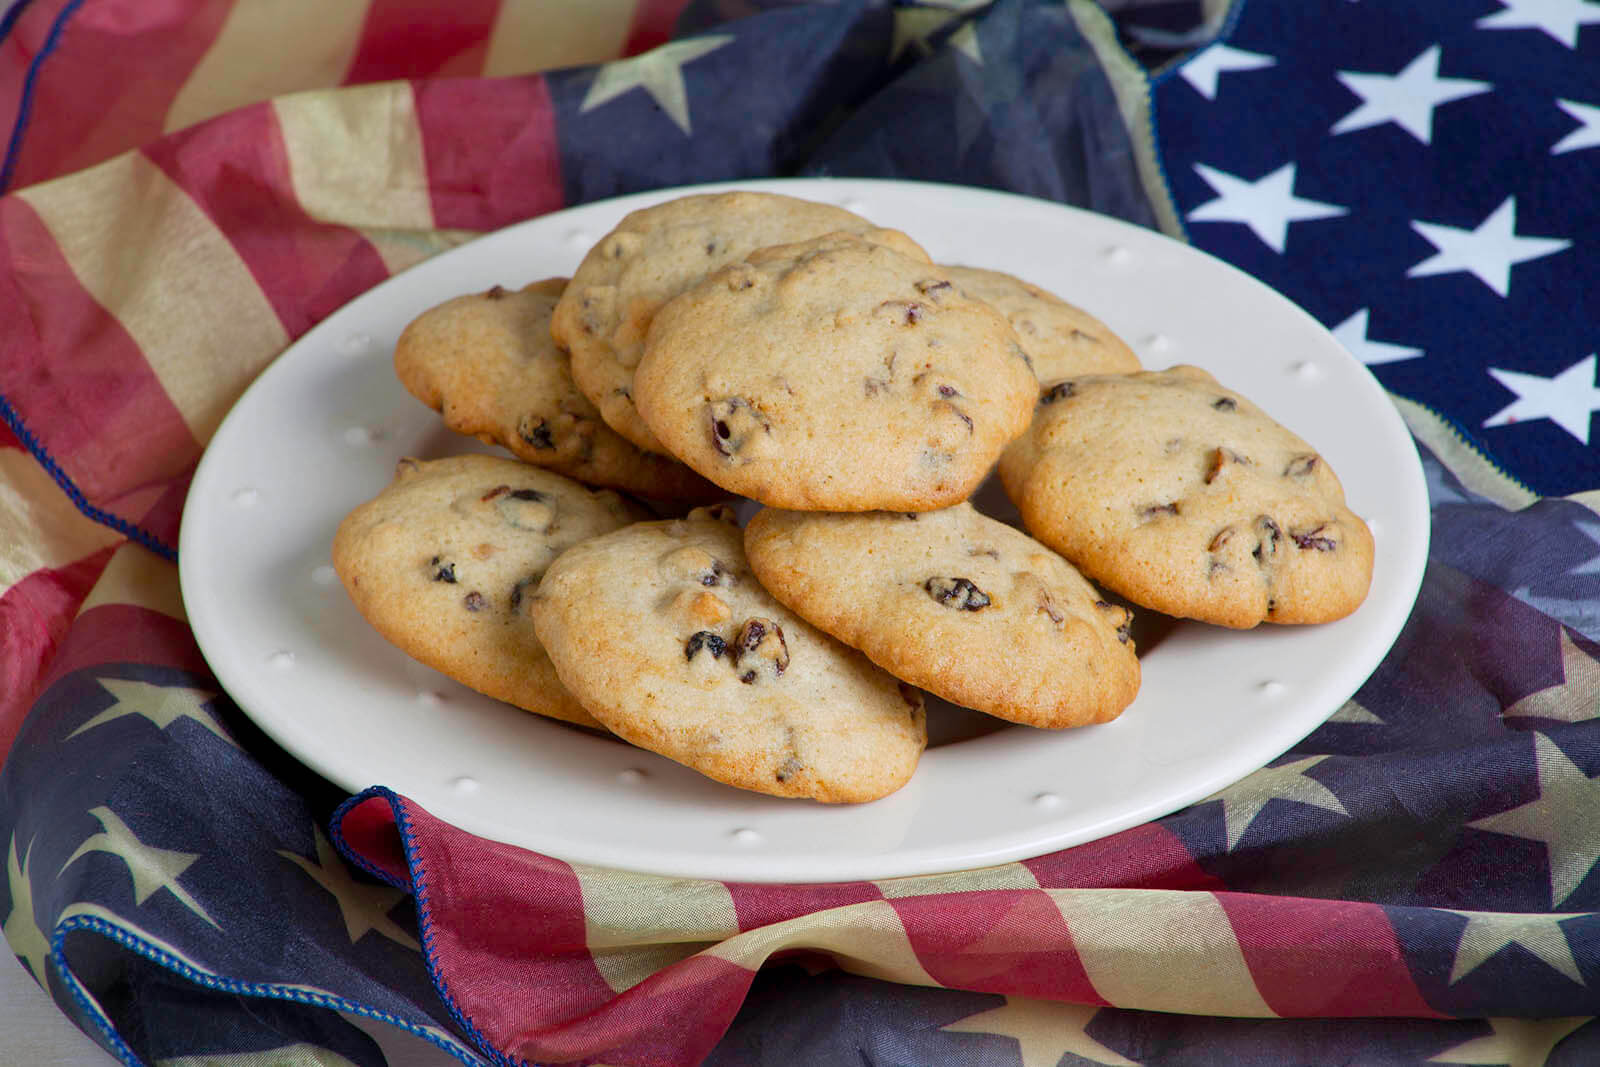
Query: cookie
1185, 497
487, 363
443, 561
835, 374
957, 603
662, 632
656, 253
1062, 341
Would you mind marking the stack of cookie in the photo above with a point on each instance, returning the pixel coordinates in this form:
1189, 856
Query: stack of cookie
755, 347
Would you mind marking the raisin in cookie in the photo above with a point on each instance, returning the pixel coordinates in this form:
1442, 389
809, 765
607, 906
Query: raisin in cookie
443, 560
487, 363
1061, 340
662, 632
1185, 497
835, 374
958, 603
656, 253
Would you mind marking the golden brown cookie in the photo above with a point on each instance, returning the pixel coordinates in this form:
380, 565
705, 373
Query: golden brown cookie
835, 374
487, 363
656, 253
960, 604
662, 632
443, 560
1062, 340
1185, 497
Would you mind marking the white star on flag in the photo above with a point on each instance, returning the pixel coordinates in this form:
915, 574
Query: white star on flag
1407, 99
914, 25
1585, 136
1487, 932
151, 868
1267, 205
1513, 1042
362, 905
1568, 399
1045, 1031
658, 72
1204, 70
21, 929
1352, 333
1571, 699
1489, 251
161, 704
1243, 801
1559, 18
1564, 817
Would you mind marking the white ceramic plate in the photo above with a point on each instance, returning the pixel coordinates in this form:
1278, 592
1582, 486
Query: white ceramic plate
320, 431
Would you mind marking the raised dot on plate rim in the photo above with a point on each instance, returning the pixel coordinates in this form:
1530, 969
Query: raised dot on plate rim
1117, 254
429, 697
1271, 688
746, 836
324, 575
465, 783
1046, 800
359, 435
631, 776
1307, 370
246, 498
579, 237
1158, 342
281, 658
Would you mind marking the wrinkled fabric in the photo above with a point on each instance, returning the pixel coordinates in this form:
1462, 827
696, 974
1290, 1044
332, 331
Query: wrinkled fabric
190, 186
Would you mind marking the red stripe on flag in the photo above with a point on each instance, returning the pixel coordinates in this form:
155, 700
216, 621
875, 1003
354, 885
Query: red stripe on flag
162, 518
653, 23
1145, 857
997, 941
423, 38
1324, 958
676, 1015
75, 376
491, 150
761, 905
506, 929
505, 933
110, 634
109, 83
35, 616
236, 169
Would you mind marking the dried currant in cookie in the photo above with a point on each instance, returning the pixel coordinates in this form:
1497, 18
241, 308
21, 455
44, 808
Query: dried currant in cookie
474, 601
1058, 391
442, 571
957, 593
1301, 466
760, 642
1225, 403
526, 509
707, 641
1314, 539
733, 423
1267, 536
535, 432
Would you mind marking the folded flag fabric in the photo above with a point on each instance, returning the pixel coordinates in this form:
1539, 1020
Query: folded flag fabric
1414, 882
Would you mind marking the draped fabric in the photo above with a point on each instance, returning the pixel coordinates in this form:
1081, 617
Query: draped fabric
191, 185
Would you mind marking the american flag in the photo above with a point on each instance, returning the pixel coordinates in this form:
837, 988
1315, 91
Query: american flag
191, 187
